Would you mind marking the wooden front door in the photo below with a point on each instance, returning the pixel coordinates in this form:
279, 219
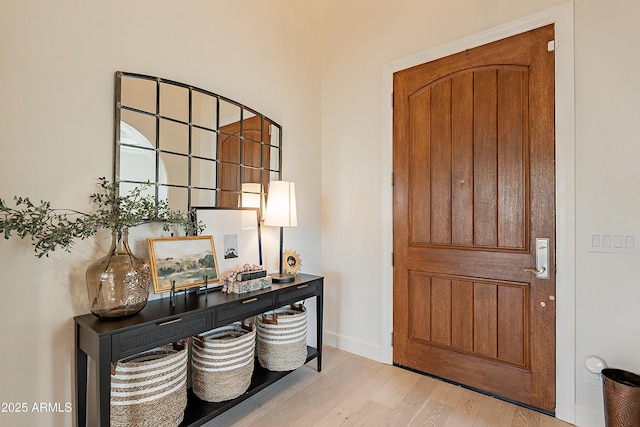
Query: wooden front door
474, 186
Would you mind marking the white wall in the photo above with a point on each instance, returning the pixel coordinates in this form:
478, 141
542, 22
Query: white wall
298, 66
57, 65
361, 36
607, 153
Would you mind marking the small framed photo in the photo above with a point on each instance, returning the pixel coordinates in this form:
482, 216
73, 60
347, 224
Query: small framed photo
238, 230
291, 262
187, 260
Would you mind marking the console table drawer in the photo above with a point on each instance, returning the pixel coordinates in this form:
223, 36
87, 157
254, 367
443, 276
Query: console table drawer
248, 307
147, 337
291, 295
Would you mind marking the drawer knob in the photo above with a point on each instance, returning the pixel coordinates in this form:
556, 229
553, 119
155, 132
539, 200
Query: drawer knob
249, 300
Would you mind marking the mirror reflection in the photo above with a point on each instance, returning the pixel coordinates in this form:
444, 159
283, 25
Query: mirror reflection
197, 148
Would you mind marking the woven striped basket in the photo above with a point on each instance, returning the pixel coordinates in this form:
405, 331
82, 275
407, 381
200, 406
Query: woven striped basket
282, 338
222, 362
150, 388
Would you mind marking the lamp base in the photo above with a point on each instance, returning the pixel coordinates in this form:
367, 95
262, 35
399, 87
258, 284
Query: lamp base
282, 277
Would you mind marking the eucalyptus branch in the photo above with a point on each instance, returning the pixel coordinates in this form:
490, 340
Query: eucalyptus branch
50, 228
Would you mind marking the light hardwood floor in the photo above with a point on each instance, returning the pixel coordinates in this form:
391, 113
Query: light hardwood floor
355, 391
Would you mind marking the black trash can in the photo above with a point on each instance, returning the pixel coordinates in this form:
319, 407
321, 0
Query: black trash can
621, 398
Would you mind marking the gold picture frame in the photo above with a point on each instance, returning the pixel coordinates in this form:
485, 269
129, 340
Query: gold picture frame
291, 262
185, 260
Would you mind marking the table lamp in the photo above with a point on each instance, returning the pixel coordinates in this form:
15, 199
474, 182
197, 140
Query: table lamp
281, 212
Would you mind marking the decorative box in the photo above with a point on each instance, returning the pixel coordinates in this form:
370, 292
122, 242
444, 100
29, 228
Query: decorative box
250, 285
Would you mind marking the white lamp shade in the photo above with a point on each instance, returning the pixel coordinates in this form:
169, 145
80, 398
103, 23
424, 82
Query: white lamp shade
281, 205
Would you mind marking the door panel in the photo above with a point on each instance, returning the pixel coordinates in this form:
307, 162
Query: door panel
484, 205
486, 319
474, 186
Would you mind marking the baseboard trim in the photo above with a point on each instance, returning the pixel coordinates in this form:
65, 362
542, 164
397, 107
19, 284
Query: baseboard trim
352, 345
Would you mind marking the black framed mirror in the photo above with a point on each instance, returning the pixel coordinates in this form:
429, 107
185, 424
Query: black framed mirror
196, 147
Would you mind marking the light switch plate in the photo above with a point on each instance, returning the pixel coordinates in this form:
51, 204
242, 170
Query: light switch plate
613, 242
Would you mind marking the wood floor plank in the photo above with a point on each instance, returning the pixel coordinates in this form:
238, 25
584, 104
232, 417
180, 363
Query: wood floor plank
354, 391
358, 382
525, 418
404, 413
354, 402
446, 393
387, 386
419, 393
432, 413
311, 403
406, 410
273, 397
395, 388
495, 413
466, 411
372, 413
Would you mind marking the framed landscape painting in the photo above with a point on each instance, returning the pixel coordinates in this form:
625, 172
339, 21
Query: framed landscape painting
185, 260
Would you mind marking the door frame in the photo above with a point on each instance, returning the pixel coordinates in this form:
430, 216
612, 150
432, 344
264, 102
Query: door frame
562, 17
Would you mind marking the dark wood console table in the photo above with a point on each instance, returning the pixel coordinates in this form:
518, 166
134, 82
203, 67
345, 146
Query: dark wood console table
159, 323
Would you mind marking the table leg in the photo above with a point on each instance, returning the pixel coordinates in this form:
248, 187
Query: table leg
81, 384
103, 383
319, 307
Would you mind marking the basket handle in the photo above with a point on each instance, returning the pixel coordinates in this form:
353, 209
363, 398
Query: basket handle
180, 345
297, 307
248, 326
272, 321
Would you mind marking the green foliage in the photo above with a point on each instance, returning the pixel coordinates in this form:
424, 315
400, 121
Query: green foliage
51, 228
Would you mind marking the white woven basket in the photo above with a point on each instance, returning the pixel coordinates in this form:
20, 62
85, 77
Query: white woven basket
222, 362
282, 338
149, 389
